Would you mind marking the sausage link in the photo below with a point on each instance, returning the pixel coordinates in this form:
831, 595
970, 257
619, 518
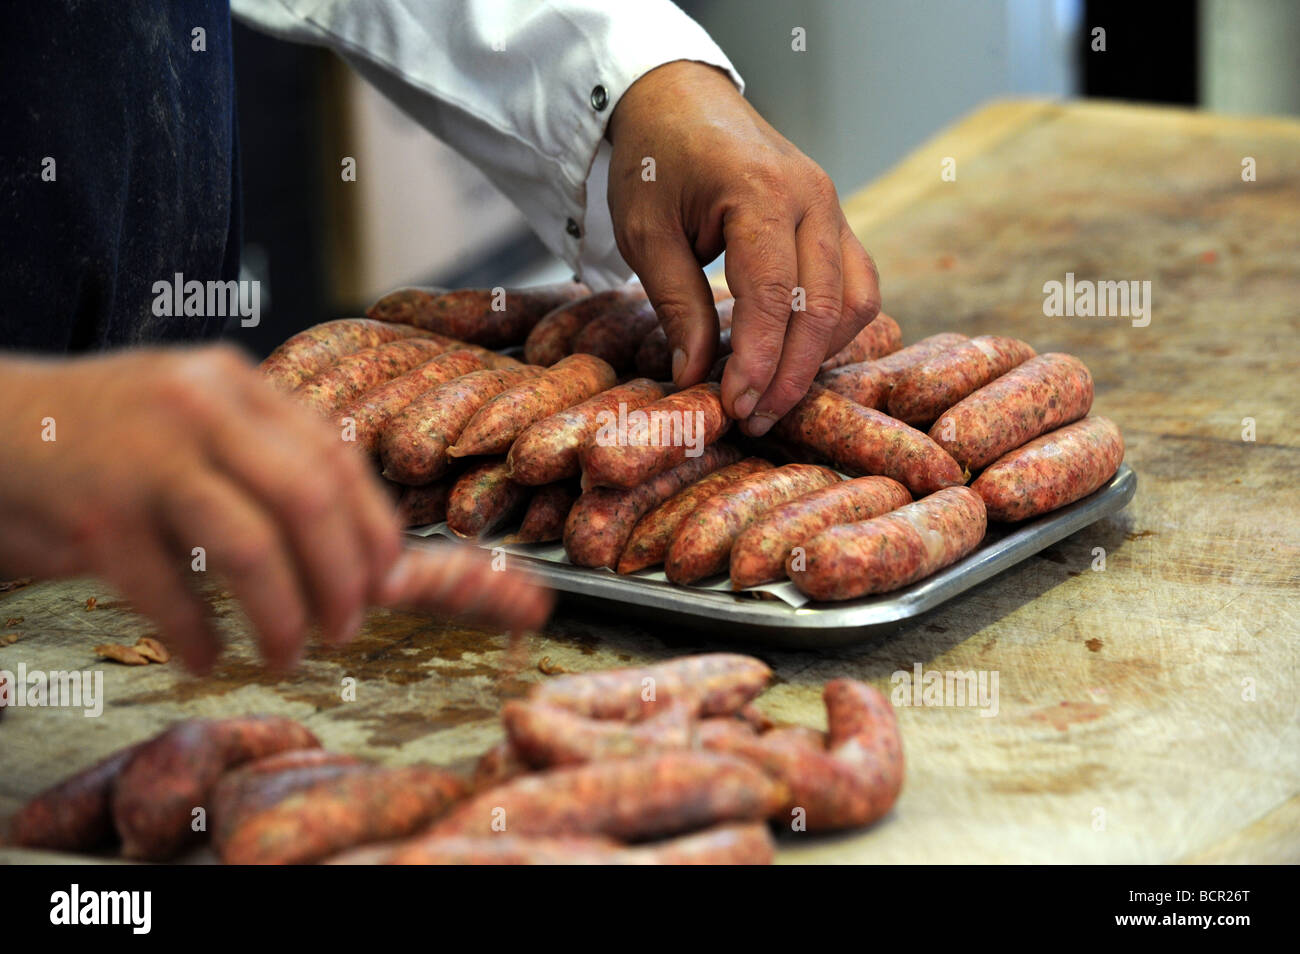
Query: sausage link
482, 499
77, 813
851, 779
702, 546
881, 337
869, 382
864, 441
737, 844
714, 684
544, 519
602, 519
654, 358
614, 336
498, 422
548, 450
1051, 471
1038, 396
376, 407
414, 445
495, 318
633, 798
352, 375
258, 785
419, 506
545, 735
498, 764
340, 813
173, 773
657, 438
314, 349
923, 392
761, 550
653, 533
892, 550
552, 338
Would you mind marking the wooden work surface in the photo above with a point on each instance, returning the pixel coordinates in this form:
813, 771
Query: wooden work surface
1147, 713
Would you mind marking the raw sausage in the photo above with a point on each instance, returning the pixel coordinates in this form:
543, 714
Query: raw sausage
653, 533
702, 546
352, 375
891, 550
76, 814
1051, 471
632, 798
847, 778
498, 422
864, 441
548, 450
313, 350
760, 551
657, 437
869, 382
603, 518
881, 337
614, 336
552, 338
546, 735
419, 506
923, 392
172, 774
483, 498
414, 444
714, 684
341, 813
495, 318
373, 410
544, 519
1038, 396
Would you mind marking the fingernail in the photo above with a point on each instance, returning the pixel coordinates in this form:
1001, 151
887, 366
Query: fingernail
759, 424
679, 362
745, 403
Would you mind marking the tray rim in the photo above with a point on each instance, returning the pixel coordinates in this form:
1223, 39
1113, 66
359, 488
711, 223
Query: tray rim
773, 620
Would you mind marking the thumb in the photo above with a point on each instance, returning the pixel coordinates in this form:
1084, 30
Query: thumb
683, 301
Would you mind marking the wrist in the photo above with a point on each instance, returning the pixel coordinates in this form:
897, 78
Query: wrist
669, 84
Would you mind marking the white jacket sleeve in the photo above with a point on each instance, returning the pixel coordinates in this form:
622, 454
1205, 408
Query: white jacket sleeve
521, 88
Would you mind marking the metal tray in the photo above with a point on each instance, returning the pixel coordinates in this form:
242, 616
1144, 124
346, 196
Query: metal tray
826, 625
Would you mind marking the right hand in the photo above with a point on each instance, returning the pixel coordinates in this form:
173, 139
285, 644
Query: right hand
160, 451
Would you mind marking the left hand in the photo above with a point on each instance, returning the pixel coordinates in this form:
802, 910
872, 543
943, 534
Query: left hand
724, 178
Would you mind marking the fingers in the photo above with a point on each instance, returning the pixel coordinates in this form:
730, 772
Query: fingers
243, 546
762, 271
361, 492
814, 320
861, 289
153, 579
682, 298
462, 580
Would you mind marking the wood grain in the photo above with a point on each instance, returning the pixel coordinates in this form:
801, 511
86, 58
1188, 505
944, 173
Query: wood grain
1147, 712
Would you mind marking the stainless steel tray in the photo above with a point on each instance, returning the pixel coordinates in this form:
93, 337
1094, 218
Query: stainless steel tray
824, 625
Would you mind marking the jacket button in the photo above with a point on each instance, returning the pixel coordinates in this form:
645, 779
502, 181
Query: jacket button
599, 98
572, 228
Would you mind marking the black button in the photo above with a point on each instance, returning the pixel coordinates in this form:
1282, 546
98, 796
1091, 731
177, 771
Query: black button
599, 98
572, 228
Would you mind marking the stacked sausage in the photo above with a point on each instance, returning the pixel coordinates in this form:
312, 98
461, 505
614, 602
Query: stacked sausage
632, 477
666, 764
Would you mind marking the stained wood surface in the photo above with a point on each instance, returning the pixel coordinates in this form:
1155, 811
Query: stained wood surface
1147, 712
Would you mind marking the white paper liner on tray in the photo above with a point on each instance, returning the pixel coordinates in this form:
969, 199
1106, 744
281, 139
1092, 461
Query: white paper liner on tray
784, 590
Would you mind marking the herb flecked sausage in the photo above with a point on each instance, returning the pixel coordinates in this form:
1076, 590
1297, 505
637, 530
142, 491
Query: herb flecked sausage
494, 318
923, 392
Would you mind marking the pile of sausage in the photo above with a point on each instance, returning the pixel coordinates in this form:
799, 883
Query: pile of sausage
666, 764
479, 439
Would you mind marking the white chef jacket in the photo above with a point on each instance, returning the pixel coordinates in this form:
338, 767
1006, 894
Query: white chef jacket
521, 88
